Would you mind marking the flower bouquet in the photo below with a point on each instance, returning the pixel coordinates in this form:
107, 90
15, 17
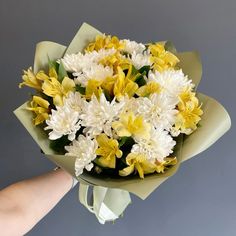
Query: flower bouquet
118, 115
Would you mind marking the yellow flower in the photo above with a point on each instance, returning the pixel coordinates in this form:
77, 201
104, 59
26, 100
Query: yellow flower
189, 112
115, 60
148, 89
108, 85
93, 87
124, 85
32, 80
138, 162
161, 58
162, 166
53, 88
40, 107
118, 85
106, 42
108, 151
130, 125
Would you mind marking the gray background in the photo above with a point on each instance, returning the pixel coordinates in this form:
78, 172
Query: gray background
200, 198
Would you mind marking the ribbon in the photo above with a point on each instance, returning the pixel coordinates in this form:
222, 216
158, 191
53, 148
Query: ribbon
107, 204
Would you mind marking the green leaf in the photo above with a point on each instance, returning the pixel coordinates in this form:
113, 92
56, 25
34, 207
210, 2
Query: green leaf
122, 141
61, 72
144, 69
127, 143
140, 80
134, 70
80, 89
52, 64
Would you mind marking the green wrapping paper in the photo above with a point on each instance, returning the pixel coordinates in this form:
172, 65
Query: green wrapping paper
214, 123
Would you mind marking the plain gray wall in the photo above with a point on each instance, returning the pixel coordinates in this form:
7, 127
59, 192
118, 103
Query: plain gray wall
200, 198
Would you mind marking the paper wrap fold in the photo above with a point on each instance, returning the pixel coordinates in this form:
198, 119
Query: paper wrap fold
214, 123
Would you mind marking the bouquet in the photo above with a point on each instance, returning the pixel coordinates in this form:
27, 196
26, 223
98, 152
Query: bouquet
118, 115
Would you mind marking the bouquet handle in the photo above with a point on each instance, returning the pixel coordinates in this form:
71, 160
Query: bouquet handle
107, 203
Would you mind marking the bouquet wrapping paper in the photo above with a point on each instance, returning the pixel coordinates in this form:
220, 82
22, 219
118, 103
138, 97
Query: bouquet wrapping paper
111, 195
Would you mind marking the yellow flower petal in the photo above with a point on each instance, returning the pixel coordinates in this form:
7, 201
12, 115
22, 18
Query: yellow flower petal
168, 161
68, 85
138, 162
161, 58
108, 151
40, 107
129, 125
106, 42
53, 88
108, 85
148, 89
53, 73
127, 171
30, 80
189, 112
42, 76
93, 87
124, 85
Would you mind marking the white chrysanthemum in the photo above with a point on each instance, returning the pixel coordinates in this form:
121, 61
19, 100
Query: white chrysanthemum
63, 121
159, 146
97, 71
132, 46
158, 109
173, 82
84, 148
98, 115
140, 59
74, 62
102, 53
74, 101
80, 62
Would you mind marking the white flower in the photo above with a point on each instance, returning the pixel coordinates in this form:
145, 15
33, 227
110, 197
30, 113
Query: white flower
140, 59
97, 115
173, 82
158, 147
84, 149
158, 109
102, 53
63, 121
74, 101
80, 62
132, 46
97, 71
72, 62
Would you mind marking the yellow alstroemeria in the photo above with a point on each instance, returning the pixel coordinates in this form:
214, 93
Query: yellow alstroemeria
115, 60
93, 87
162, 166
108, 85
138, 162
148, 89
131, 125
53, 88
106, 42
186, 96
161, 58
130, 74
40, 107
32, 80
189, 113
108, 151
124, 85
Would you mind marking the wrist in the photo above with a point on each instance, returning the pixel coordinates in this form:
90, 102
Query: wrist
72, 181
